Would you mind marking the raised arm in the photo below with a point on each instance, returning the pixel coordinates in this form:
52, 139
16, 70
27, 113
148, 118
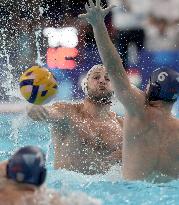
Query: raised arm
132, 99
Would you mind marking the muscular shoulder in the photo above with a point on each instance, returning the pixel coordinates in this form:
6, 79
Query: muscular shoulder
176, 123
67, 107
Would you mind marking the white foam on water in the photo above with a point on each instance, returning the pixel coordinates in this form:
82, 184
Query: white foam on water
70, 179
46, 196
79, 198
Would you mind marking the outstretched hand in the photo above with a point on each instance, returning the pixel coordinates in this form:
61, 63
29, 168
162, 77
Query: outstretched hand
37, 112
95, 13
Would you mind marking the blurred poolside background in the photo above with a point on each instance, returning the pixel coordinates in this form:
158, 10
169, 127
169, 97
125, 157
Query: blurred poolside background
49, 33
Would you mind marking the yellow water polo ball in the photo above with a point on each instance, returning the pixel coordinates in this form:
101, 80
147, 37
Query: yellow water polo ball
38, 85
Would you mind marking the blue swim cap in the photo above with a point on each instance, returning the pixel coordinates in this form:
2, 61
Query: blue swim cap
163, 85
27, 165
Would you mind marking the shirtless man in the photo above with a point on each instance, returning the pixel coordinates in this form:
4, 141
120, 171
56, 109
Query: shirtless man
151, 133
22, 179
87, 136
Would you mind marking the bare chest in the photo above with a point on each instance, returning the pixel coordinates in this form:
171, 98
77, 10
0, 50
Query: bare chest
107, 134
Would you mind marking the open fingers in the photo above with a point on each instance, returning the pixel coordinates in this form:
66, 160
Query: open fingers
98, 3
42, 114
45, 111
91, 3
108, 9
87, 7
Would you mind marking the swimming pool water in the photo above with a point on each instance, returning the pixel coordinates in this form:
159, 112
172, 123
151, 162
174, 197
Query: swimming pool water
17, 130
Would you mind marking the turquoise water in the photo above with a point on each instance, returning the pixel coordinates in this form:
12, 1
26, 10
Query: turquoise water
110, 189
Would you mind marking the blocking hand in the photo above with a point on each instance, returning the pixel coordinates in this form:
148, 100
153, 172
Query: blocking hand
95, 13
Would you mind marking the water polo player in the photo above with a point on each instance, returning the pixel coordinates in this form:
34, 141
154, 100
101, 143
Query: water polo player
151, 140
22, 177
88, 130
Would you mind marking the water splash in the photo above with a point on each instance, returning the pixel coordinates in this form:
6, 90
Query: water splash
39, 58
16, 127
7, 78
80, 199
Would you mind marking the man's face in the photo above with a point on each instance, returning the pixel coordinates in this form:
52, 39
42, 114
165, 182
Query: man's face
99, 86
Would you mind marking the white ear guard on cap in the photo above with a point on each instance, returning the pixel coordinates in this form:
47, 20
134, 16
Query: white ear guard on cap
84, 85
84, 82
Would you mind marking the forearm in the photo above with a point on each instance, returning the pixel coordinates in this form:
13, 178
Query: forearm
130, 98
108, 53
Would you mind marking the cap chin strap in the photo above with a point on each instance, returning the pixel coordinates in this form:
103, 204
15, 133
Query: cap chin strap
154, 92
